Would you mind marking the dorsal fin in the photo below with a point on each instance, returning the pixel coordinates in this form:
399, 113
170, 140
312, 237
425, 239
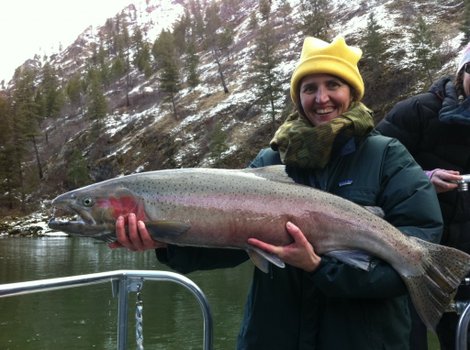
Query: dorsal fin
272, 172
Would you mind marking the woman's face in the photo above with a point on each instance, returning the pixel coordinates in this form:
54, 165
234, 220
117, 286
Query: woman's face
466, 79
324, 97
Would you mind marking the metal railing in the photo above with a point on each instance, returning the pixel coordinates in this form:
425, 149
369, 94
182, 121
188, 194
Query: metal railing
462, 309
126, 281
123, 282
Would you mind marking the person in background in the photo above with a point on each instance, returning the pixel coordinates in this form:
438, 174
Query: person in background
435, 128
318, 302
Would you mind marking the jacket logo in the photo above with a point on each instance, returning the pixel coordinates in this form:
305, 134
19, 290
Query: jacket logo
345, 183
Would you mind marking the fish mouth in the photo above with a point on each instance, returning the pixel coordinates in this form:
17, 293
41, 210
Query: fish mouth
71, 214
101, 232
67, 226
75, 220
80, 228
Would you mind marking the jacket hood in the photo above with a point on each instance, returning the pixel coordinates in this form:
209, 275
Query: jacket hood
439, 87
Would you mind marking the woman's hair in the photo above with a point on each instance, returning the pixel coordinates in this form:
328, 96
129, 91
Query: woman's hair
458, 82
356, 96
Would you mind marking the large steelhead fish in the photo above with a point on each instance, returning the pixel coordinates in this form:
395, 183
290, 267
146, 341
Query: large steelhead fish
223, 208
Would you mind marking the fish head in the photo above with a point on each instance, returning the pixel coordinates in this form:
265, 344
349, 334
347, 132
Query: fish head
96, 209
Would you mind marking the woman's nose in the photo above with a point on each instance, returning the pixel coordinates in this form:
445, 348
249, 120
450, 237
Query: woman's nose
321, 95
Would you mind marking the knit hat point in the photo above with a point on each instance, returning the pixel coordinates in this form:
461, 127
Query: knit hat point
464, 57
335, 58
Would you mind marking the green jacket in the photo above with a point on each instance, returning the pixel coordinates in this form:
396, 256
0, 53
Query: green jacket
337, 306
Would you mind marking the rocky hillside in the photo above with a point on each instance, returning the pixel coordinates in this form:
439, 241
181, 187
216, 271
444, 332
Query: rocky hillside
212, 128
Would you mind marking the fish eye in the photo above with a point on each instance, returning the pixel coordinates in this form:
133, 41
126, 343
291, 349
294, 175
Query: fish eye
87, 202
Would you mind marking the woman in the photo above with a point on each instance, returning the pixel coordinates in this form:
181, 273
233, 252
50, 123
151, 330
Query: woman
435, 128
317, 302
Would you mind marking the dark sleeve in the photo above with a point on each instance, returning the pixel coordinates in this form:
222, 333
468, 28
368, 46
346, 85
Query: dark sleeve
337, 279
408, 118
408, 198
189, 259
264, 158
410, 204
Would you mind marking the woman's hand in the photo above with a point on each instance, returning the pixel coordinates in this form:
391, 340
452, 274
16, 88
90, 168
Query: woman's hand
444, 180
136, 237
299, 253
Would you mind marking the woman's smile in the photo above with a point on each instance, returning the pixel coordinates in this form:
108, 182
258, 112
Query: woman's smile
324, 97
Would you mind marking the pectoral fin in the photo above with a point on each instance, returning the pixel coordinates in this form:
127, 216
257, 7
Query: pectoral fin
107, 237
261, 259
377, 211
357, 258
171, 229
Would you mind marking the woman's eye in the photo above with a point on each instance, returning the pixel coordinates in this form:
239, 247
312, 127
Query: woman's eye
333, 84
309, 89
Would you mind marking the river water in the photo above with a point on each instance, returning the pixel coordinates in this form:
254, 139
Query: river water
86, 317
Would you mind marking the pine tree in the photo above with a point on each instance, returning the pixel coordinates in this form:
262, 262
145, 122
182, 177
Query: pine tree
74, 91
315, 18
8, 176
116, 43
253, 24
181, 31
218, 140
265, 9
120, 66
192, 63
285, 9
374, 47
142, 53
374, 53
198, 18
216, 40
24, 127
97, 105
374, 66
265, 61
103, 65
50, 94
425, 53
465, 26
77, 171
164, 51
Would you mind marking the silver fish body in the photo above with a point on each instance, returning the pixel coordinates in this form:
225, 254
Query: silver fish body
224, 207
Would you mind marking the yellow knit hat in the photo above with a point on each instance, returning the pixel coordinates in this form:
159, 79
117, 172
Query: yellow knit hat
337, 59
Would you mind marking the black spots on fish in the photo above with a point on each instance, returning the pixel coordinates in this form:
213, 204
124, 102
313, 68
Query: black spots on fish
151, 202
147, 186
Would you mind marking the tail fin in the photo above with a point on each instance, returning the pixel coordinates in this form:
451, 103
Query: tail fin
432, 291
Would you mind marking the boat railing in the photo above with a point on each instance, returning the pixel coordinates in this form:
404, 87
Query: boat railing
128, 281
123, 283
462, 308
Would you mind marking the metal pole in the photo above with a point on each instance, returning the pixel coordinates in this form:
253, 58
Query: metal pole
206, 312
462, 329
123, 303
124, 281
